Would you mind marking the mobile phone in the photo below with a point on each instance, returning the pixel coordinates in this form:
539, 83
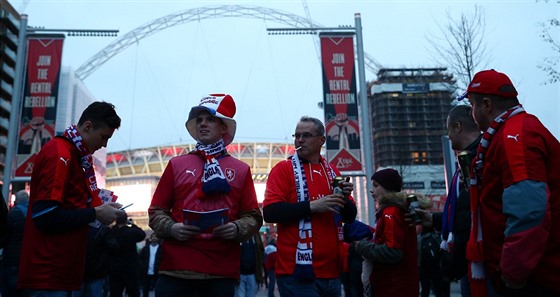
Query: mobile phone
124, 207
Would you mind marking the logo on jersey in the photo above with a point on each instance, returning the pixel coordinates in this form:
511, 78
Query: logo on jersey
230, 174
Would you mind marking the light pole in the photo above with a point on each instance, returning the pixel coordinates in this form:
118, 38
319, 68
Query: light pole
363, 106
19, 89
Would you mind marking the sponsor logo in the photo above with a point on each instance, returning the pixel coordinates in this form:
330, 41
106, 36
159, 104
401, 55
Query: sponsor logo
513, 137
190, 172
65, 161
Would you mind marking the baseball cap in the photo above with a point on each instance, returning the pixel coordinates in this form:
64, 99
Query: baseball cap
490, 82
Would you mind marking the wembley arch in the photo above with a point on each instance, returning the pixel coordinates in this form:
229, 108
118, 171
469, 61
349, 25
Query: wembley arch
199, 14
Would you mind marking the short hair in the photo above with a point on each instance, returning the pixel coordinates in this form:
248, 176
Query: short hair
501, 103
318, 124
100, 113
463, 114
21, 196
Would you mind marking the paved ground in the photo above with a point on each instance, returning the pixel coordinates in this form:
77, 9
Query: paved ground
455, 291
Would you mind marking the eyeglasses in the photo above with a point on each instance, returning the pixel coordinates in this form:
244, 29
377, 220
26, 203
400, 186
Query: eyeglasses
305, 135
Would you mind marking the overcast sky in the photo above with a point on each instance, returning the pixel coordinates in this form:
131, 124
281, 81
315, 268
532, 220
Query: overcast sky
274, 79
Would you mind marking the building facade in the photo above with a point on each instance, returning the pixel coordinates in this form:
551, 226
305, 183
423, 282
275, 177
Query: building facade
9, 33
408, 108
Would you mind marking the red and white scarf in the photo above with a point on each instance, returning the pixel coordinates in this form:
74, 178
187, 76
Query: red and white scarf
97, 196
475, 244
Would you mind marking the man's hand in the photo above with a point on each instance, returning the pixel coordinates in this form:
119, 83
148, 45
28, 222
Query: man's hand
184, 232
427, 218
347, 187
227, 231
333, 202
107, 212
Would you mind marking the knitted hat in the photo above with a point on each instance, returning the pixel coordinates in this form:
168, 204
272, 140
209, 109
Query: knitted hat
219, 105
390, 179
490, 82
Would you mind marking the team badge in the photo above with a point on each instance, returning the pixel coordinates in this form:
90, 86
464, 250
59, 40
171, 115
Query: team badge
230, 174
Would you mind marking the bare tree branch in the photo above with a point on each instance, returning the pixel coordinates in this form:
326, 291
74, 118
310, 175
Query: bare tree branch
551, 65
460, 46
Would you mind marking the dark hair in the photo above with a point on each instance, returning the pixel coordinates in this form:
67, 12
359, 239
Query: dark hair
463, 114
318, 124
501, 103
122, 218
101, 113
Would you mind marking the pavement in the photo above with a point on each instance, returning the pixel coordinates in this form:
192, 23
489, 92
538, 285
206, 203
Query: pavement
455, 291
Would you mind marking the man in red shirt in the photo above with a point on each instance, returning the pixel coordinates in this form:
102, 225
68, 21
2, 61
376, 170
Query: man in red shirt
515, 194
299, 198
64, 199
207, 179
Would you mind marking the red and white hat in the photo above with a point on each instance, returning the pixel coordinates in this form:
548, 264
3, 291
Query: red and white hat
219, 105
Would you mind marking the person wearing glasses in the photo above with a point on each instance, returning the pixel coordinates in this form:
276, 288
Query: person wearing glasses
300, 199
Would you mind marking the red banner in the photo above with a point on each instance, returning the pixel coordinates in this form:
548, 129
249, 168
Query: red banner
340, 102
40, 97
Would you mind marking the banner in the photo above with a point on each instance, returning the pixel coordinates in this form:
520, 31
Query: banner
40, 98
340, 102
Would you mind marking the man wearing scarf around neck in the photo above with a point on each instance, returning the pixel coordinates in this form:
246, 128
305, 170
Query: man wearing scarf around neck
64, 200
195, 263
299, 198
515, 195
454, 222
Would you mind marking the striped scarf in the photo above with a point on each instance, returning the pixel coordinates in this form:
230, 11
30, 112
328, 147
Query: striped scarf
213, 179
304, 252
97, 196
475, 244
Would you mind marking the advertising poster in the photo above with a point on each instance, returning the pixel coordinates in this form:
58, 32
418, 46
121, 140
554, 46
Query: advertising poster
40, 97
340, 102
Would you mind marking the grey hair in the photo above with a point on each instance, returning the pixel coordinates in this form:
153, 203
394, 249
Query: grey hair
318, 124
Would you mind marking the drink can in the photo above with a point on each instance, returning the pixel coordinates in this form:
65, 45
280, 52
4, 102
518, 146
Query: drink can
464, 165
413, 205
337, 184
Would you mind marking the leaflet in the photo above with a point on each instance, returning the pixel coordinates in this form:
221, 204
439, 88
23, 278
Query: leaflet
206, 220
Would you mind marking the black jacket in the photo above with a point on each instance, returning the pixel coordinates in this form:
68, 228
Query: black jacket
455, 265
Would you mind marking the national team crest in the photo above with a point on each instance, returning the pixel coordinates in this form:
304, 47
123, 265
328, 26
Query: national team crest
230, 174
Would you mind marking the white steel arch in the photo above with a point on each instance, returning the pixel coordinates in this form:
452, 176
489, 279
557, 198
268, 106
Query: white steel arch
198, 14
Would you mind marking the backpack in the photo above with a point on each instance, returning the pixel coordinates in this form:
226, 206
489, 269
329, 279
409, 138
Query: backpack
429, 250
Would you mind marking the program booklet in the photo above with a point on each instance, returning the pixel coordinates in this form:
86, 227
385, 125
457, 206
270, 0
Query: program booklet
206, 220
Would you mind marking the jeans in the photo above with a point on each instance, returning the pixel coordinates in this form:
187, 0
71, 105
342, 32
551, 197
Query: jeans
247, 286
9, 281
465, 286
167, 286
271, 282
92, 288
319, 287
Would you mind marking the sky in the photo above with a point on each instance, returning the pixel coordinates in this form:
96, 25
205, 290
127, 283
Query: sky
274, 79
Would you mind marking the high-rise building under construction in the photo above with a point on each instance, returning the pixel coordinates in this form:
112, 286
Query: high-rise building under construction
408, 108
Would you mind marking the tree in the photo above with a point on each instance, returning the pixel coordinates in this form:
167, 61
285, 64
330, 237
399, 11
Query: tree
460, 43
550, 65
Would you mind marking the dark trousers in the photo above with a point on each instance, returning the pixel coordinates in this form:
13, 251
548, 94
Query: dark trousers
149, 284
119, 281
271, 282
167, 286
430, 280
